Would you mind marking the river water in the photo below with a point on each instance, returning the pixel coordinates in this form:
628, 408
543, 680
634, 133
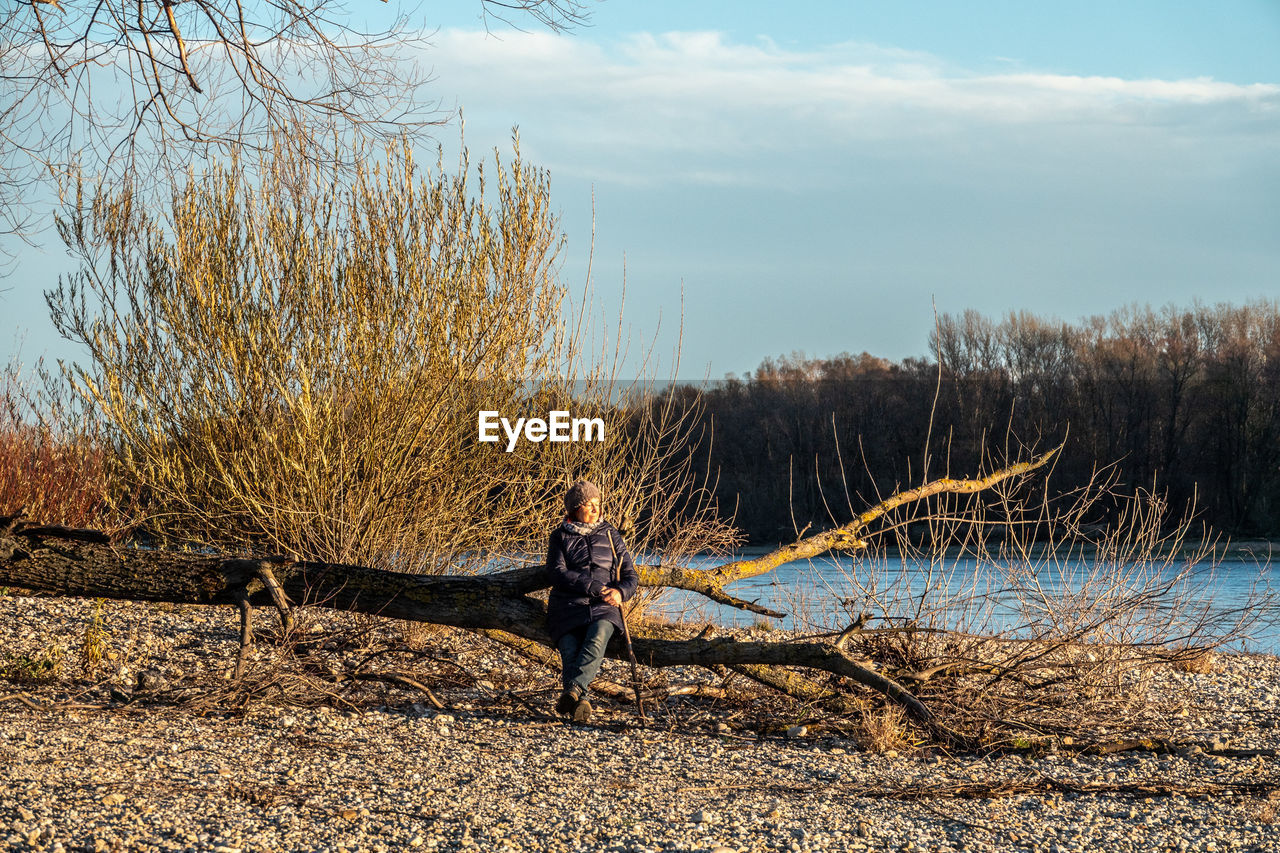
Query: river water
1232, 603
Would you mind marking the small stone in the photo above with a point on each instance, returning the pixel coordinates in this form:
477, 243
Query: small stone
151, 681
704, 816
26, 813
416, 841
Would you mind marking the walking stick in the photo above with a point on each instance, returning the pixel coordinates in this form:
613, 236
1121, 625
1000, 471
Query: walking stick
626, 636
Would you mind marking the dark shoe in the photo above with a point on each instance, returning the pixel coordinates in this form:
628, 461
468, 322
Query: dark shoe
582, 711
567, 702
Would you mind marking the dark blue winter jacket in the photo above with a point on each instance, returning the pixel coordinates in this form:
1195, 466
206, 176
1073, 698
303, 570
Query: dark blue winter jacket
579, 567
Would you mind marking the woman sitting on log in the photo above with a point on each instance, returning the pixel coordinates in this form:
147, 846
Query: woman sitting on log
591, 574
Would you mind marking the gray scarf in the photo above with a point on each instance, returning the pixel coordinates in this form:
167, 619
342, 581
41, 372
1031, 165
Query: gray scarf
581, 529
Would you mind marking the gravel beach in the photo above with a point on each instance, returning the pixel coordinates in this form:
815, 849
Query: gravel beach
121, 758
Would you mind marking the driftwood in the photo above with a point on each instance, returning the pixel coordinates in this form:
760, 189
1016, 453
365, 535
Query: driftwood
73, 562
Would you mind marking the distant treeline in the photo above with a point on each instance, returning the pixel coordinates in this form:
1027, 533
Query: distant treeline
1182, 401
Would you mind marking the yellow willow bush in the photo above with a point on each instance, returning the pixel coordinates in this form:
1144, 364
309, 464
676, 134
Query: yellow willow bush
288, 363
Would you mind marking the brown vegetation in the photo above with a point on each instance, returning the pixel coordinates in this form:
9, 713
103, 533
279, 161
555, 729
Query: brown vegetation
46, 470
1182, 401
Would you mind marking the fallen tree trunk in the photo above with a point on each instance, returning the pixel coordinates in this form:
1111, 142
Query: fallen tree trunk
87, 563
84, 563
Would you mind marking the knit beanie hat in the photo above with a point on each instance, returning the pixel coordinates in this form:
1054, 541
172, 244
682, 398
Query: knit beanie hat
579, 493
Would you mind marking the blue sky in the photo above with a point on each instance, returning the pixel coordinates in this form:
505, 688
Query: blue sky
819, 176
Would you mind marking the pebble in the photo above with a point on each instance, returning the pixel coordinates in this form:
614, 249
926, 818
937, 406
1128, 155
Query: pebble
151, 777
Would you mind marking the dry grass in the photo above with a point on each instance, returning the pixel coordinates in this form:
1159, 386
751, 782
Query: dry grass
94, 643
40, 667
885, 729
1196, 661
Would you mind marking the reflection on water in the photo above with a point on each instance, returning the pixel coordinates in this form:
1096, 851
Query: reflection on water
1233, 599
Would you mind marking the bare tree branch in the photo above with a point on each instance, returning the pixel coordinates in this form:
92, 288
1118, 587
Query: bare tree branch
846, 537
140, 87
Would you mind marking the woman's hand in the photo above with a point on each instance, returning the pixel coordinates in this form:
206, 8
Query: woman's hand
611, 596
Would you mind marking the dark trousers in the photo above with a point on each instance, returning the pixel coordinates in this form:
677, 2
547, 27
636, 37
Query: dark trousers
582, 652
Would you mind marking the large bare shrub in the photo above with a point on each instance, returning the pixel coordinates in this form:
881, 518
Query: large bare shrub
284, 362
1009, 611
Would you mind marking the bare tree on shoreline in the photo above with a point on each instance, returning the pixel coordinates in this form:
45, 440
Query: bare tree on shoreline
144, 88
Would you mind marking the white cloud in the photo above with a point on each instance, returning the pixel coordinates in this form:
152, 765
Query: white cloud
610, 109
687, 67
818, 197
